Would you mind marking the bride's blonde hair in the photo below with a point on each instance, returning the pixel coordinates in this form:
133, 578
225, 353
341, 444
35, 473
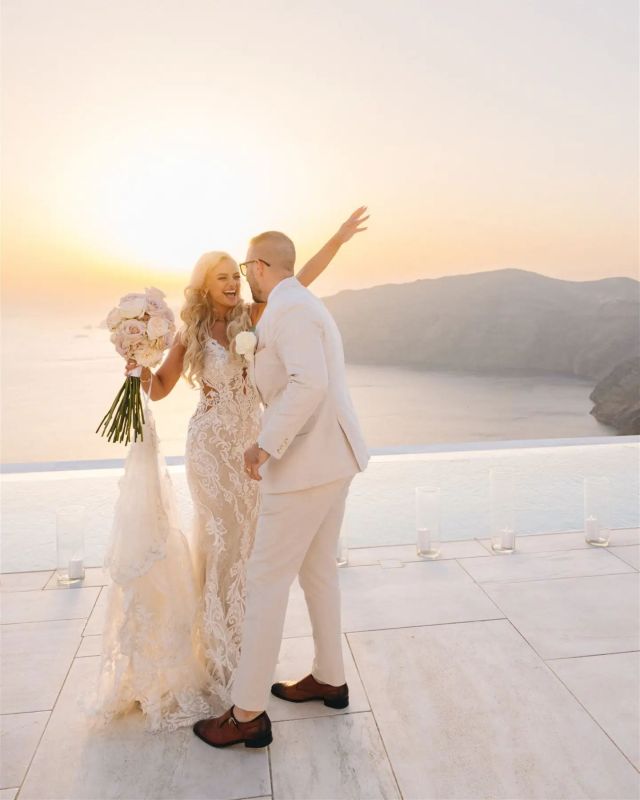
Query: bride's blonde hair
198, 316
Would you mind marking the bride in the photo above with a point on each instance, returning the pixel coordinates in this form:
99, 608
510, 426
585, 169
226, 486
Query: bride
225, 422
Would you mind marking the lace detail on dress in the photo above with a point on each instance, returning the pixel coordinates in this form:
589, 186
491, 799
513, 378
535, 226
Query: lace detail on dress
225, 422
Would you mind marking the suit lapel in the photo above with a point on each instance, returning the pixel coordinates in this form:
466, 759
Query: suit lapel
261, 327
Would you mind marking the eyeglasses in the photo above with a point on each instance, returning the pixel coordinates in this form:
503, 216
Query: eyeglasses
245, 264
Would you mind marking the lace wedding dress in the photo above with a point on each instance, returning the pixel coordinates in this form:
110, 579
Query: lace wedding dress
172, 636
225, 422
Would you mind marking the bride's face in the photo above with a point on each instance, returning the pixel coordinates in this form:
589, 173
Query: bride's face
223, 284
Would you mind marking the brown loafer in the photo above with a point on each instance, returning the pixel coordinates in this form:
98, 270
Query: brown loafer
308, 688
227, 730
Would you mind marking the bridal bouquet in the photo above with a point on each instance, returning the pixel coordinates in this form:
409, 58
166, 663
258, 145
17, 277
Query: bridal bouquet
142, 327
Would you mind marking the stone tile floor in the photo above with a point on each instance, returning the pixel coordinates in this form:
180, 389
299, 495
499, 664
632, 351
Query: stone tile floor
477, 675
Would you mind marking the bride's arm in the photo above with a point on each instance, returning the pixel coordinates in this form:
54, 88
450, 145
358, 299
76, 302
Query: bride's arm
167, 375
316, 265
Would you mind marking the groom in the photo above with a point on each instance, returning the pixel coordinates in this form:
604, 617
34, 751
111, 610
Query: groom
308, 451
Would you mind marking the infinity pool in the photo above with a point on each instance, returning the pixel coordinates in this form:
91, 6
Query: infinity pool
548, 494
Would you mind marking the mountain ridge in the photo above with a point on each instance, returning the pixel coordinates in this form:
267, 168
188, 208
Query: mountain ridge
500, 319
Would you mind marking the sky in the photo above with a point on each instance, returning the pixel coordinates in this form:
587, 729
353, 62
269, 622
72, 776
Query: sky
482, 134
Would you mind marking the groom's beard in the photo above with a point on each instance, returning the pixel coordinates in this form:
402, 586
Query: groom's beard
255, 294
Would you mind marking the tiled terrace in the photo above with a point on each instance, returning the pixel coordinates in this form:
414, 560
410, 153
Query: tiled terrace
473, 676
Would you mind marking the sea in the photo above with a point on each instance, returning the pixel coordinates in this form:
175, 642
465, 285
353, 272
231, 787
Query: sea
438, 428
58, 381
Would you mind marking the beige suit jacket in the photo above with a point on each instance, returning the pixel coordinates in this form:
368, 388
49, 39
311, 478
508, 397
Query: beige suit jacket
309, 427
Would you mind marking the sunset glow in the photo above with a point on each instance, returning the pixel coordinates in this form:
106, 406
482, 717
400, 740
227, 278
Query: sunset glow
136, 138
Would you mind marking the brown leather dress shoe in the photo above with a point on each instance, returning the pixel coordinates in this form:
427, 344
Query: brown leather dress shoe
309, 688
227, 730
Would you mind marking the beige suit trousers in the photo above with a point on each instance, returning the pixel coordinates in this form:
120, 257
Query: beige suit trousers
297, 534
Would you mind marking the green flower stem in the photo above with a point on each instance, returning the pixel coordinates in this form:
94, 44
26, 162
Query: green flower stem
107, 416
118, 413
127, 428
120, 417
125, 416
126, 412
134, 406
132, 409
139, 414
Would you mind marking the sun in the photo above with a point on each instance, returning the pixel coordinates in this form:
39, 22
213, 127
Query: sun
165, 208
160, 205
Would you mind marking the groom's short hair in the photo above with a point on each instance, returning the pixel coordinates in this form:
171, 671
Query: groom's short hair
280, 246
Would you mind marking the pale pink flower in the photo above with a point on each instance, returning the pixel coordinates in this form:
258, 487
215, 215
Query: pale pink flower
146, 355
154, 292
156, 327
114, 318
132, 305
133, 328
122, 344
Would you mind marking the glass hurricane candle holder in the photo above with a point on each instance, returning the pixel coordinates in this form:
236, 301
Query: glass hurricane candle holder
502, 511
428, 513
70, 522
597, 511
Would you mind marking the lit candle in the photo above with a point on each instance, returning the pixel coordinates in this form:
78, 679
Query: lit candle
75, 569
592, 528
507, 538
424, 540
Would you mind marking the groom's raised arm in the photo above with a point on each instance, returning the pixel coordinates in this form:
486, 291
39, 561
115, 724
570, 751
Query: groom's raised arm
298, 340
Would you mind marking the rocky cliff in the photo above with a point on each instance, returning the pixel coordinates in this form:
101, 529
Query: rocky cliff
617, 397
508, 319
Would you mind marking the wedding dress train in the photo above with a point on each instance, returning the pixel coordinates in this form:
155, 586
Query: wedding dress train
148, 654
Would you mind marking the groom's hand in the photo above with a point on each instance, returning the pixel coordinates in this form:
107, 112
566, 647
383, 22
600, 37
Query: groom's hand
254, 458
353, 225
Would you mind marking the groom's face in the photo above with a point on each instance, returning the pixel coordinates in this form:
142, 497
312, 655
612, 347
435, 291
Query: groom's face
255, 273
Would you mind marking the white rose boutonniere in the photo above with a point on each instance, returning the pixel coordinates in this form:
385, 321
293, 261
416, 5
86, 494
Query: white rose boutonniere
246, 342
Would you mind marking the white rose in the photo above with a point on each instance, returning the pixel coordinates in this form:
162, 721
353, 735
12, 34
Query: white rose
114, 318
156, 305
146, 356
246, 343
164, 341
153, 293
156, 327
156, 308
168, 314
133, 328
132, 305
121, 347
